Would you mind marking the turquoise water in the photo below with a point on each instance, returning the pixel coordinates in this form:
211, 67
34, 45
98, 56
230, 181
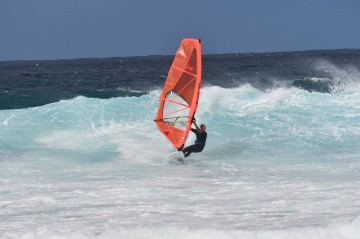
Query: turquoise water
284, 163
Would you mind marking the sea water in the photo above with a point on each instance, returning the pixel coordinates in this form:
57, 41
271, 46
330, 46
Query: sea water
280, 162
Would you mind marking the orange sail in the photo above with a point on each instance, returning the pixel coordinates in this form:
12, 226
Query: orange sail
179, 97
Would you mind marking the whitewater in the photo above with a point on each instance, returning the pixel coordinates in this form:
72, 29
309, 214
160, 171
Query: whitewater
280, 163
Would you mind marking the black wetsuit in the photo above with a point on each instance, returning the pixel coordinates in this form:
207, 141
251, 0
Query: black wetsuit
199, 143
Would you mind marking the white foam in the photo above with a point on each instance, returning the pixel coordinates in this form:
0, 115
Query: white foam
346, 78
277, 164
337, 231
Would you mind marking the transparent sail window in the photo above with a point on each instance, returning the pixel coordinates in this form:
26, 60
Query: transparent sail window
176, 110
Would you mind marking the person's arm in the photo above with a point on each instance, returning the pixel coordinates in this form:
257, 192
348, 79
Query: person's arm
197, 127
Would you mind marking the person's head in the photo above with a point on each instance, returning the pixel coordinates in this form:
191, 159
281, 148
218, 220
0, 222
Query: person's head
203, 127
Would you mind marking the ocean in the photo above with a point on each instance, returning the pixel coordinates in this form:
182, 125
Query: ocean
81, 156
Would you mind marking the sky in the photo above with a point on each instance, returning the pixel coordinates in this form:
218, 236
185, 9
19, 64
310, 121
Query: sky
67, 29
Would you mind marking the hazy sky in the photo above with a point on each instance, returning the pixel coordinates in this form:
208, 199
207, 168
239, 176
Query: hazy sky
58, 29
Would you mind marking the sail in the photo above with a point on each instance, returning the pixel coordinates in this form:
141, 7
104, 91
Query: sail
179, 98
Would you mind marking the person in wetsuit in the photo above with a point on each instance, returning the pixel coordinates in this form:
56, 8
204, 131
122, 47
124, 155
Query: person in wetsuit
200, 140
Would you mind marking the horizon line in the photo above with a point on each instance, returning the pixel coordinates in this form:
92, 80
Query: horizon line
160, 55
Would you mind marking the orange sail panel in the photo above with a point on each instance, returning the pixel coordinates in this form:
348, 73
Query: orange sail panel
179, 97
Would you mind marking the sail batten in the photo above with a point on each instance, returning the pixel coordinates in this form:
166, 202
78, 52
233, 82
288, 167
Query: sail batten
187, 72
179, 97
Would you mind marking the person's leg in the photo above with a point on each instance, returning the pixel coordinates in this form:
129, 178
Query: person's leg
192, 149
197, 149
188, 150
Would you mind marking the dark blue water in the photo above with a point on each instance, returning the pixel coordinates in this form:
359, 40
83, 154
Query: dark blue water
34, 83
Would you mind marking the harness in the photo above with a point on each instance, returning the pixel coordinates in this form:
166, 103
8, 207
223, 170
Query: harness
202, 144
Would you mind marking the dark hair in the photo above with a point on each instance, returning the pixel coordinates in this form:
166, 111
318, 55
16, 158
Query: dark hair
202, 125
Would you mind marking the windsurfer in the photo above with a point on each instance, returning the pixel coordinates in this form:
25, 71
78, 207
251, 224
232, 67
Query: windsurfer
199, 145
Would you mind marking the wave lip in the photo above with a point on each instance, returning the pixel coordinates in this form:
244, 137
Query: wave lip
334, 79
